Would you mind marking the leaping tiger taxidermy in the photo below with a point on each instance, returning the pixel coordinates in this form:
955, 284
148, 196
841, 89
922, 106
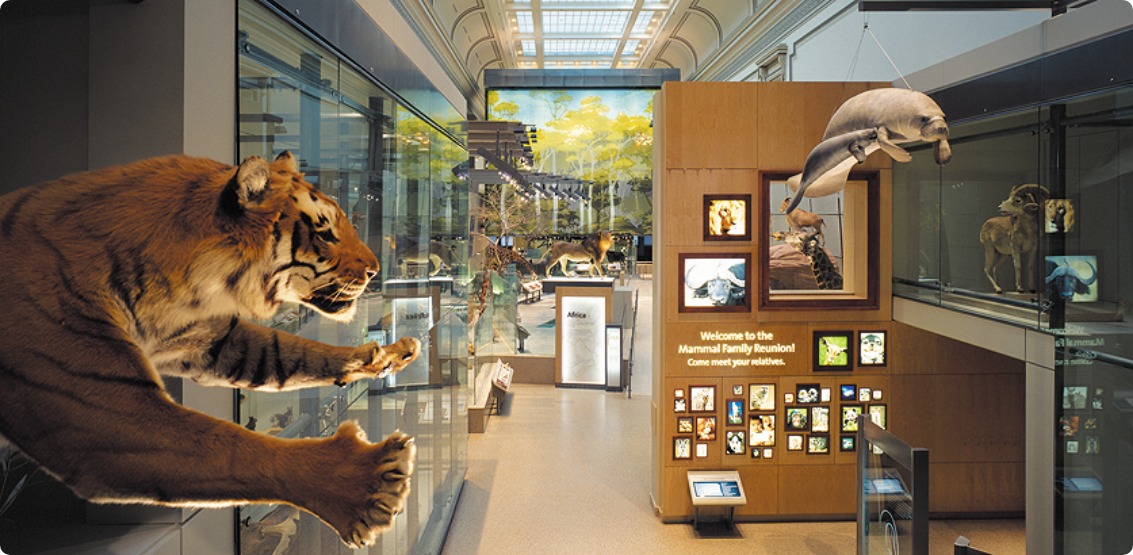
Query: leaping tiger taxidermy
116, 276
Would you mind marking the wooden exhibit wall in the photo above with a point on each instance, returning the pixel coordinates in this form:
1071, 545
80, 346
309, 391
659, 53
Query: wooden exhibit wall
963, 403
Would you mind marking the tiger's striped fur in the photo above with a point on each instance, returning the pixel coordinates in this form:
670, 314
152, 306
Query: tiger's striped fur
114, 277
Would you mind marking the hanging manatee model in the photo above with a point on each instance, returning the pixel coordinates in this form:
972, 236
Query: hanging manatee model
873, 120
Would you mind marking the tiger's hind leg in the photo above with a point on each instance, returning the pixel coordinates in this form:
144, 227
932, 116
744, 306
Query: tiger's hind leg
174, 456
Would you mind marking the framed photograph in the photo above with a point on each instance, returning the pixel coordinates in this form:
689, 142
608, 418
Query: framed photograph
865, 394
1092, 445
877, 415
682, 448
788, 398
703, 398
825, 396
817, 445
767, 453
678, 393
1068, 426
714, 282
849, 392
795, 442
735, 412
876, 394
761, 430
807, 394
680, 405
756, 454
1072, 446
734, 443
798, 419
1074, 278
761, 396
737, 390
871, 348
701, 450
1074, 397
848, 443
1098, 402
727, 217
684, 425
1090, 423
1059, 216
833, 350
850, 414
706, 428
820, 419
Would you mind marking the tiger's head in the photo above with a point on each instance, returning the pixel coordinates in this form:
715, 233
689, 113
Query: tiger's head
313, 255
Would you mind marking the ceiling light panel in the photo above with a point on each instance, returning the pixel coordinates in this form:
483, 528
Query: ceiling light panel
631, 45
607, 2
525, 22
591, 22
577, 47
642, 24
528, 47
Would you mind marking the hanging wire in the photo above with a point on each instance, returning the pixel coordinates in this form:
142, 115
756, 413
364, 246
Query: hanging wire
902, 75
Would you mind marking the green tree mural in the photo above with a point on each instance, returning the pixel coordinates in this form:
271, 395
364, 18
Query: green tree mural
601, 136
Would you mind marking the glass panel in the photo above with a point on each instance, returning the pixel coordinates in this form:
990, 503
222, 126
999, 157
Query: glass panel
390, 171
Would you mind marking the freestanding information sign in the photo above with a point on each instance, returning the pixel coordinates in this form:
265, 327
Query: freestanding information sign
715, 488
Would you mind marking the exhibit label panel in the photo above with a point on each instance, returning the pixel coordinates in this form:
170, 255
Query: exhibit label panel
583, 332
413, 317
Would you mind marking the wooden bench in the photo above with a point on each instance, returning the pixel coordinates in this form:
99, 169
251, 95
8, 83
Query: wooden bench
492, 386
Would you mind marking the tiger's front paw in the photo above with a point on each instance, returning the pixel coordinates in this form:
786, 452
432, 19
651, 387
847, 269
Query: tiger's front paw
386, 493
390, 359
378, 361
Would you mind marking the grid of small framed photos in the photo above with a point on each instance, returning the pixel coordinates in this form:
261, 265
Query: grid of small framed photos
815, 417
760, 419
1079, 421
842, 350
697, 423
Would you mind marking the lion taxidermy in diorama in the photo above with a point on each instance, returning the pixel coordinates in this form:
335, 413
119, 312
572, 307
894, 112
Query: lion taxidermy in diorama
117, 276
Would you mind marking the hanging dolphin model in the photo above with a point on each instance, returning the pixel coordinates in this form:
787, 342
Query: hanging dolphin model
890, 116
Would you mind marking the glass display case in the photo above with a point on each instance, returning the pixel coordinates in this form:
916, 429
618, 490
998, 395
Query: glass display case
389, 168
1057, 178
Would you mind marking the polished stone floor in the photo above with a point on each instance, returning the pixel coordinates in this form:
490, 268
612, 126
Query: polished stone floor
567, 471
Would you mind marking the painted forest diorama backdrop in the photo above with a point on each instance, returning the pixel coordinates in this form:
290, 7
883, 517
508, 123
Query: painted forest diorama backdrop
601, 136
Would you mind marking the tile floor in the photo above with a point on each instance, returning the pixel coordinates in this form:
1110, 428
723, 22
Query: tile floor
567, 471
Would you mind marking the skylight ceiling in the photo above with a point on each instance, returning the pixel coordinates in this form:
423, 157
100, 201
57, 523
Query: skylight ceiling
582, 33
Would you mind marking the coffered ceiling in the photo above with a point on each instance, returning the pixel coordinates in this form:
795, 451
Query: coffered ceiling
699, 37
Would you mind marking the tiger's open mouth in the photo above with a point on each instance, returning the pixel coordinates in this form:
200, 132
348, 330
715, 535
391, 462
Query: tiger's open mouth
336, 302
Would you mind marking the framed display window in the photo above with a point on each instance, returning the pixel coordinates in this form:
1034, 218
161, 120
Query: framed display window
680, 404
817, 444
849, 392
879, 415
734, 443
795, 442
702, 398
727, 217
850, 415
872, 348
684, 425
820, 419
734, 411
737, 390
761, 430
808, 393
682, 448
761, 396
1058, 215
714, 282
701, 450
865, 394
706, 428
1073, 278
853, 215
798, 419
848, 443
833, 350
